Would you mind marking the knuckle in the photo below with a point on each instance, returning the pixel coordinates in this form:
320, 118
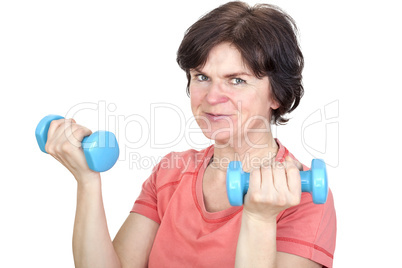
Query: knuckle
265, 199
293, 170
54, 123
65, 148
281, 201
254, 197
78, 134
291, 166
80, 131
278, 165
294, 201
258, 198
49, 148
56, 150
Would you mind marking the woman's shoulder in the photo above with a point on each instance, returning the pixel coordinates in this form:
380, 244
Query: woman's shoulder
184, 161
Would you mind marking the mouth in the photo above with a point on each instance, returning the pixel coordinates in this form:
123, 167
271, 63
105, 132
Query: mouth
216, 117
216, 114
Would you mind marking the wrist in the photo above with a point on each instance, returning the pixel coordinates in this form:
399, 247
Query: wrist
256, 226
256, 245
257, 219
88, 181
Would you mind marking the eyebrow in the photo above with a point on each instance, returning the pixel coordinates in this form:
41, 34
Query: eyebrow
236, 74
226, 75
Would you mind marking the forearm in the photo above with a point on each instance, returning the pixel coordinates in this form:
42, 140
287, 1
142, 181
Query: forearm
92, 245
256, 246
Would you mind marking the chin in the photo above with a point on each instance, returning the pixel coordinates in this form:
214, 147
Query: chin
222, 137
221, 132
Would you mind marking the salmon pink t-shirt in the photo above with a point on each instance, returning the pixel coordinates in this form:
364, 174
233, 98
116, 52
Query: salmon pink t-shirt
190, 236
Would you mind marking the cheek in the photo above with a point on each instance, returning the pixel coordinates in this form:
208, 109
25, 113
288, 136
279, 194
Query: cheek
251, 104
195, 98
255, 111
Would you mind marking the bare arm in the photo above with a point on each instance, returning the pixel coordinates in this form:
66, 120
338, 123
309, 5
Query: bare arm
134, 240
257, 248
272, 189
287, 260
92, 245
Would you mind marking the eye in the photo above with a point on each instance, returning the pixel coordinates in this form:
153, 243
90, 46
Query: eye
201, 77
237, 81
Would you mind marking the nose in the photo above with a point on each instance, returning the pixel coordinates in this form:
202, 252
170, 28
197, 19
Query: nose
216, 94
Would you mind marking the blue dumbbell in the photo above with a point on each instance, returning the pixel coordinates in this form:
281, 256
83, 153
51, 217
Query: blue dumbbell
313, 181
100, 148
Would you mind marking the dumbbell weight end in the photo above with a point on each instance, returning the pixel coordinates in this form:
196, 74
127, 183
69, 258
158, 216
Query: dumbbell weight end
237, 182
315, 181
42, 129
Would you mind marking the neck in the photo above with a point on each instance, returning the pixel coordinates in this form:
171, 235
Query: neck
262, 150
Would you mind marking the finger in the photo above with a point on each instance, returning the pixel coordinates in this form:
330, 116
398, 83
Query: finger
255, 180
73, 152
293, 177
267, 178
62, 134
69, 137
70, 126
295, 161
56, 135
78, 134
279, 177
69, 146
67, 128
61, 130
56, 143
53, 127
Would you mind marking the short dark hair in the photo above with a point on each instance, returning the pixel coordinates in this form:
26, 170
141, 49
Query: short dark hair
265, 36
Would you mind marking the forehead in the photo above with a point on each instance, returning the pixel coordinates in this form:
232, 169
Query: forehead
225, 57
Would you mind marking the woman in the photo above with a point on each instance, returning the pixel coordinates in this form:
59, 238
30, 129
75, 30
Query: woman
244, 67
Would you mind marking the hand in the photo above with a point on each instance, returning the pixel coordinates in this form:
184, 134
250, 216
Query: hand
273, 188
64, 144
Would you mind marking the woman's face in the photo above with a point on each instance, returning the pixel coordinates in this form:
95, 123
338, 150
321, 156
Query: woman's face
229, 103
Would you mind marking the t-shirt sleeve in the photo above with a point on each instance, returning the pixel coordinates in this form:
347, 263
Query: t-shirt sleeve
146, 203
309, 230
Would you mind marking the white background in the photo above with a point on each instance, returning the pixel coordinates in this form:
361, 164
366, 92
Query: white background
64, 56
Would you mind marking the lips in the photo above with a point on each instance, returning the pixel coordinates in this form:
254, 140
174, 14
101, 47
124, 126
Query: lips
216, 114
216, 117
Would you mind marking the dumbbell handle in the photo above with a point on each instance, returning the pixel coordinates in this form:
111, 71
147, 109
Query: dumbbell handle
100, 148
314, 181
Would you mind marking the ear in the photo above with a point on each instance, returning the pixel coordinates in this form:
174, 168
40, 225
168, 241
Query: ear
274, 104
